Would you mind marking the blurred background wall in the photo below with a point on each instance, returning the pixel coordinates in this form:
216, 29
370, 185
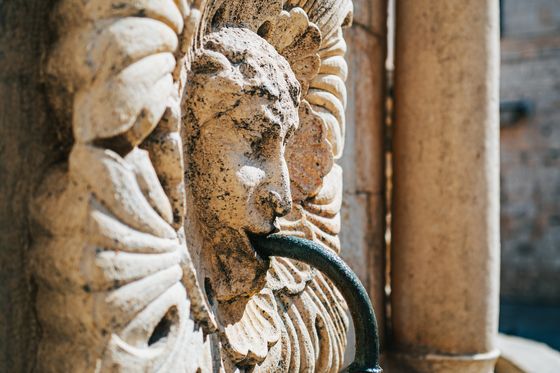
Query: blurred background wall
530, 169
530, 161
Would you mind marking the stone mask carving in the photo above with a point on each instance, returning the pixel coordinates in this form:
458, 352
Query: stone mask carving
194, 124
242, 108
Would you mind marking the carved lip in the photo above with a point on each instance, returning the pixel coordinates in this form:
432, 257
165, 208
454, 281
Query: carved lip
272, 225
274, 228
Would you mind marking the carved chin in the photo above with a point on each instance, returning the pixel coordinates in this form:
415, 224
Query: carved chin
234, 268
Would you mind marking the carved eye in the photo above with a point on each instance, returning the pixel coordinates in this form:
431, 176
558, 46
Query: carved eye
257, 147
252, 135
247, 70
264, 30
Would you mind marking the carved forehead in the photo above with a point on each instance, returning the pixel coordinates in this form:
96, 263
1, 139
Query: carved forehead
238, 69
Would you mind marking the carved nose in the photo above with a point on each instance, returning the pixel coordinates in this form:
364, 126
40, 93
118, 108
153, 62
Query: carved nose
281, 204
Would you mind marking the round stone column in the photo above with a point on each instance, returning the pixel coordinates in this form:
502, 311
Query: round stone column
445, 253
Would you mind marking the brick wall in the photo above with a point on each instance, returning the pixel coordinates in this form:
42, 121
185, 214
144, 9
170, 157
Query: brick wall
530, 152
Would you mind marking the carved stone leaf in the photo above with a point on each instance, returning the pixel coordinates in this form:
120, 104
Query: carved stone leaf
117, 288
249, 14
329, 15
78, 12
328, 96
315, 326
248, 339
288, 276
318, 219
297, 40
135, 100
149, 183
123, 279
122, 195
307, 34
327, 93
98, 65
110, 255
309, 155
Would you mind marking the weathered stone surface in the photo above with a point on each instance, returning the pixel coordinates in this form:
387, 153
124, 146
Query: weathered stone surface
445, 252
122, 240
242, 107
363, 210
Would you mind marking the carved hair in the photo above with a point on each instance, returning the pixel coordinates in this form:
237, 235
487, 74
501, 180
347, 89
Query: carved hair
237, 68
110, 256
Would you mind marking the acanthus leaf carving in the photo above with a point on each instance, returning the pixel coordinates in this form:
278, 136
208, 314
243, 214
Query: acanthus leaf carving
298, 40
245, 98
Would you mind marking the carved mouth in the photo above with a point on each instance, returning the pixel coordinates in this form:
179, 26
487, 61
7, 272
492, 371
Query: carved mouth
274, 227
266, 221
269, 227
235, 269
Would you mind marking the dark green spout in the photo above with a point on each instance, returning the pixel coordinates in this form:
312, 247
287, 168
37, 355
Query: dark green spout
365, 324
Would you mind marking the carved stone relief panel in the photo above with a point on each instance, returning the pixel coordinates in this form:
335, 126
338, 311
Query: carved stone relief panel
193, 126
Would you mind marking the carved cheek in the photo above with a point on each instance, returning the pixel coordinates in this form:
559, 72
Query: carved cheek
249, 177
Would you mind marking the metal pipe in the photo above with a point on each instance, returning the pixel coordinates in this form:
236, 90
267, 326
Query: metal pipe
326, 261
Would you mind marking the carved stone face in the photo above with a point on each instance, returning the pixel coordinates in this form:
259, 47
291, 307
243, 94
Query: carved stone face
242, 108
245, 179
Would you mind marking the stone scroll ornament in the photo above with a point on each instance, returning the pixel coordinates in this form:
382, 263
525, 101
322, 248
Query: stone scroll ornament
190, 126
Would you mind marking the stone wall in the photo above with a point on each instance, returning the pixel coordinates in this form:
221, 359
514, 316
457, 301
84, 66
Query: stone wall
530, 152
362, 235
27, 139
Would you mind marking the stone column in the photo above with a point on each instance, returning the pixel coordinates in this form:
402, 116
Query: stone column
363, 212
445, 253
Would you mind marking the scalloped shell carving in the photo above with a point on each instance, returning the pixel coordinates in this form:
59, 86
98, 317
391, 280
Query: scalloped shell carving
115, 260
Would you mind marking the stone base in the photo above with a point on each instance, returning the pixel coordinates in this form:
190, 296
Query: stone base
525, 356
433, 363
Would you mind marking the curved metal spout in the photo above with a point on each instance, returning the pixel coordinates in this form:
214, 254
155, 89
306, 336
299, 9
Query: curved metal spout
365, 324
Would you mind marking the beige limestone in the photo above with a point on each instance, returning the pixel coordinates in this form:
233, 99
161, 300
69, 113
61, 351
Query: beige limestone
363, 209
139, 269
519, 355
446, 204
